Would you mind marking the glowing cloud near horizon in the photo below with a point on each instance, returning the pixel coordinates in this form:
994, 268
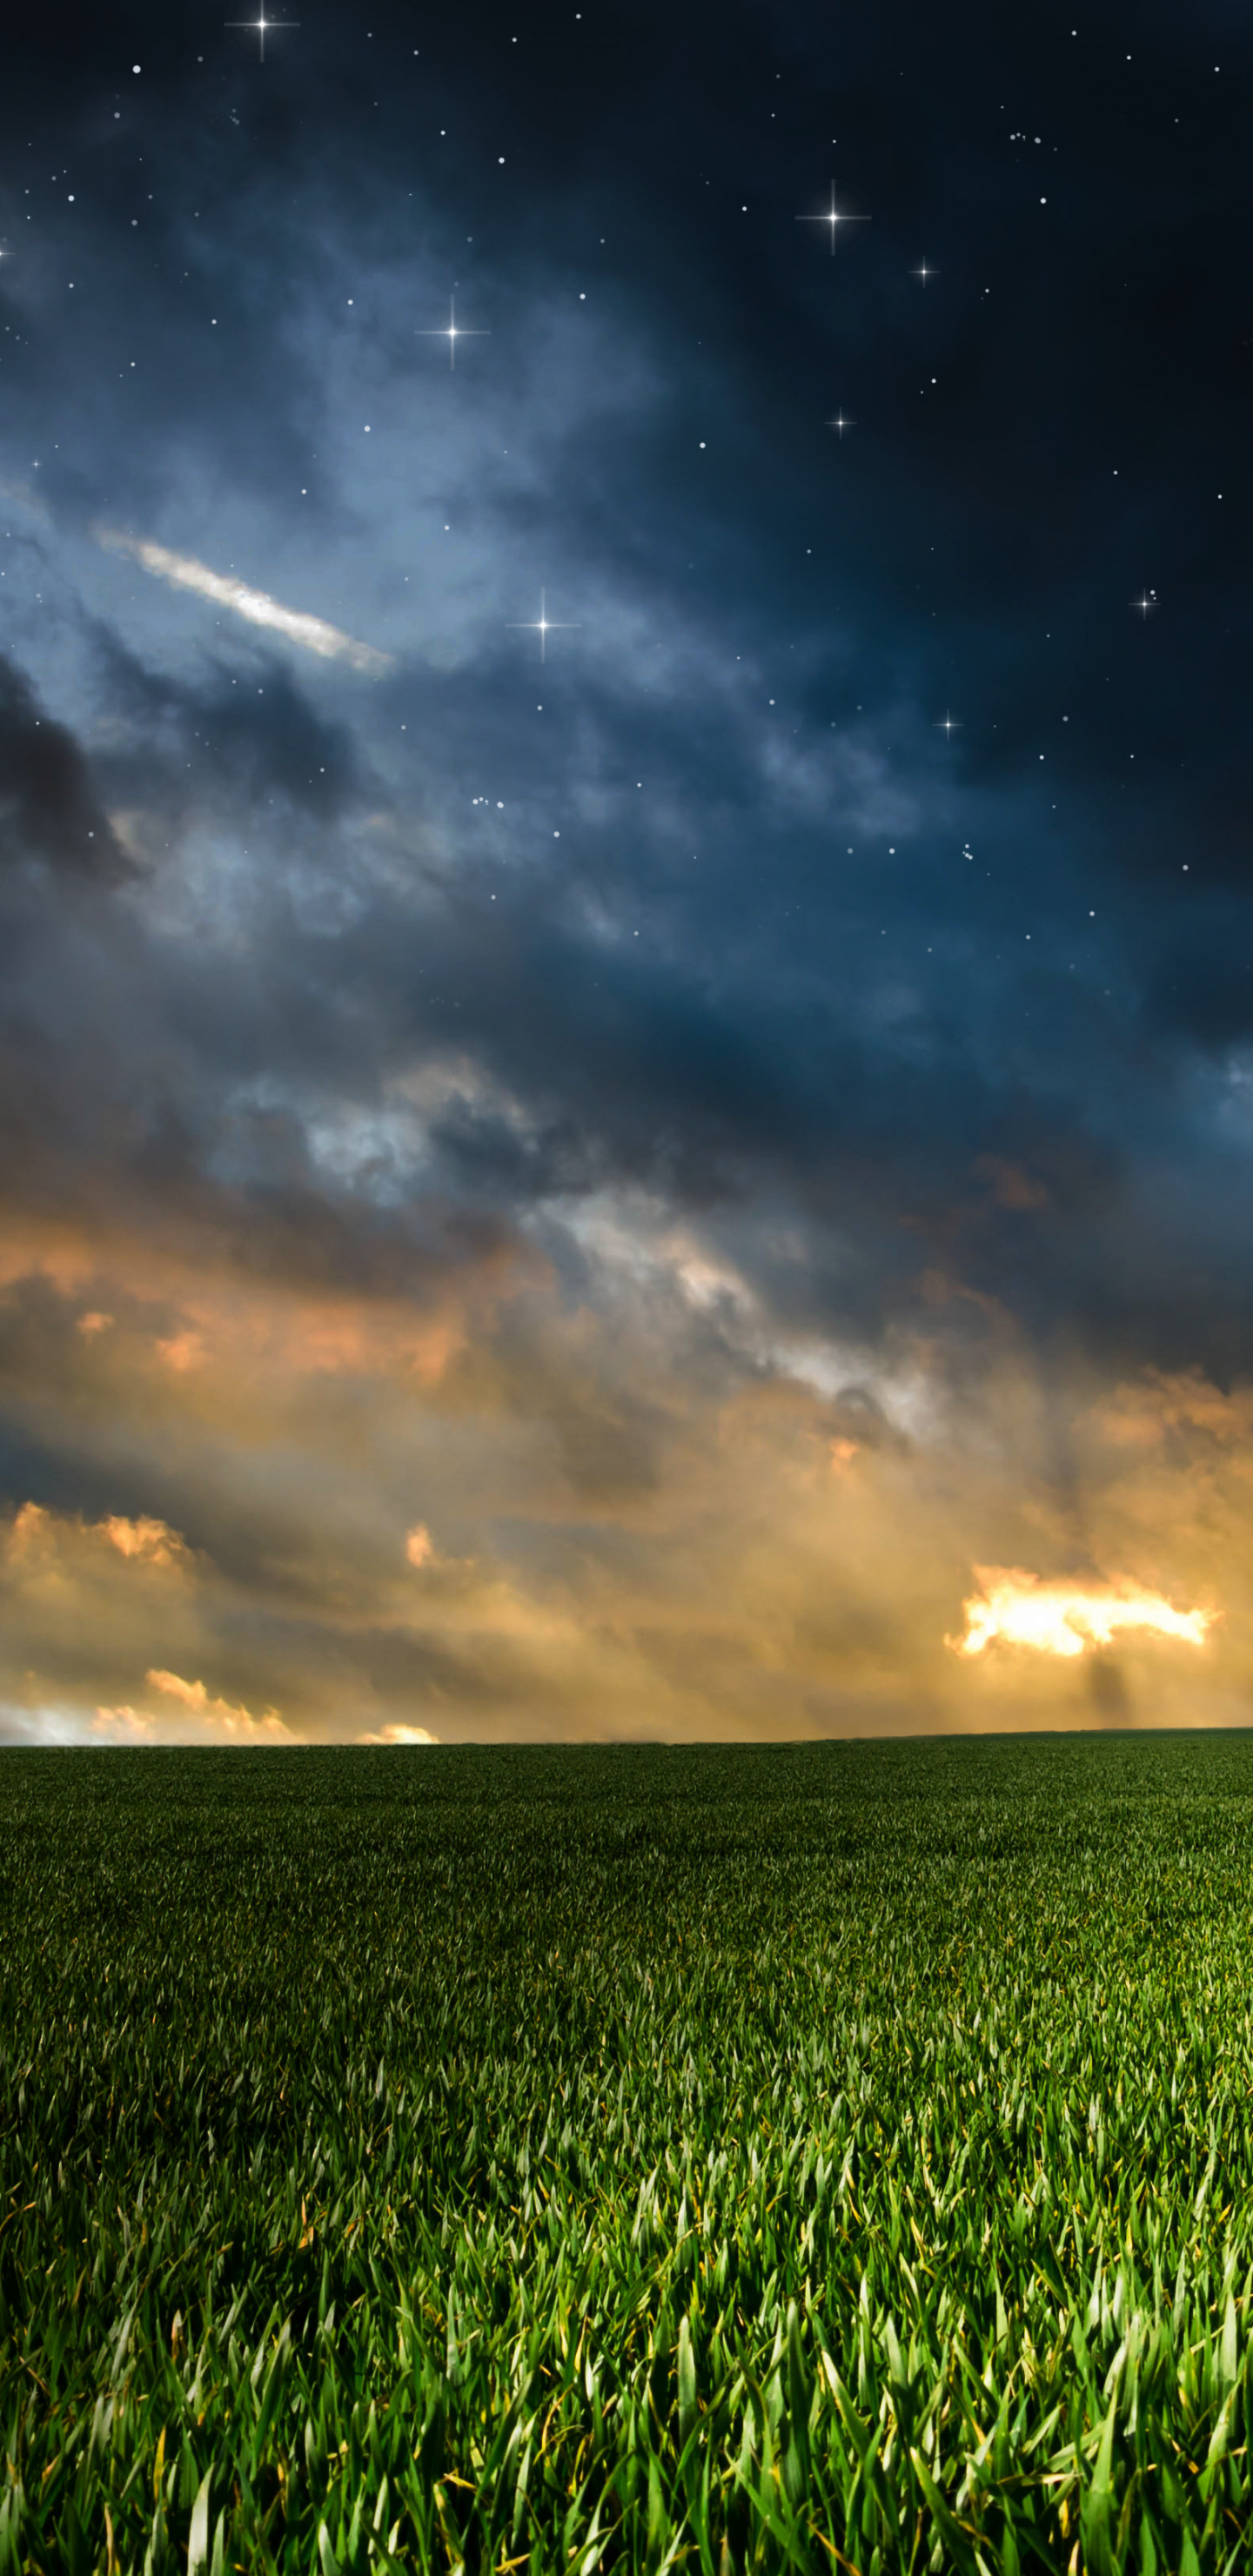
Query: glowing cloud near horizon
185, 573
1012, 1608
399, 1735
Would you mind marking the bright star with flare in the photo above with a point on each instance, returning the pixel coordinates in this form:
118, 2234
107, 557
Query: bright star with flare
543, 625
262, 26
452, 330
831, 217
1058, 1618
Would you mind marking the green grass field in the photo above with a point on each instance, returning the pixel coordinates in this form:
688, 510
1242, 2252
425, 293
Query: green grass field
829, 2157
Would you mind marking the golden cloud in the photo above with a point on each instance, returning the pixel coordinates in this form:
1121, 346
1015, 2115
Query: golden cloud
146, 1538
1012, 1608
627, 1545
398, 1734
37, 1535
208, 1720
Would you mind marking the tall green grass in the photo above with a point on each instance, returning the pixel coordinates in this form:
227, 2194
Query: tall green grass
836, 2157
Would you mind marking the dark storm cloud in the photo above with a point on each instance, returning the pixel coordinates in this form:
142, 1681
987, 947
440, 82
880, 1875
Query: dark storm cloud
631, 1071
209, 738
49, 807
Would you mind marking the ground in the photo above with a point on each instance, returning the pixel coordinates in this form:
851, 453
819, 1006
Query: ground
824, 2156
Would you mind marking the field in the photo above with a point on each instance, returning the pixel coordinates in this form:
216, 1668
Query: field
830, 2157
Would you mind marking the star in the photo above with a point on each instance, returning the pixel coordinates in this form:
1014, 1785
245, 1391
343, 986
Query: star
924, 272
1147, 604
543, 625
947, 723
841, 423
833, 219
261, 26
452, 331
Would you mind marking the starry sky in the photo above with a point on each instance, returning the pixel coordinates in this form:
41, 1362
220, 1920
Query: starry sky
626, 938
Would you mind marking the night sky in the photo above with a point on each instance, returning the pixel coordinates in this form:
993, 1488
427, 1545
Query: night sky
626, 940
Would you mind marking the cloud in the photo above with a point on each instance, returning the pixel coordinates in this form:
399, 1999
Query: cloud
37, 1536
726, 1584
185, 573
399, 1734
143, 1537
49, 808
1017, 1609
419, 1547
192, 1694
207, 1720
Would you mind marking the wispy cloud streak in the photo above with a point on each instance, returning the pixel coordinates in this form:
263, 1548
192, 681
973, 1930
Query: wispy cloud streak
185, 573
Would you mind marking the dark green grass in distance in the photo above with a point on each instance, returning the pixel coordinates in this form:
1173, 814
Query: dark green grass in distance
831, 2157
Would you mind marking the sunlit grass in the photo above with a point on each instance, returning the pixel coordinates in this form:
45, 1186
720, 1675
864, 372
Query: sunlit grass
839, 2156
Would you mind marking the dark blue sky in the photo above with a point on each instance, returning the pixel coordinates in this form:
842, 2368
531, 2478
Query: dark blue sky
719, 1117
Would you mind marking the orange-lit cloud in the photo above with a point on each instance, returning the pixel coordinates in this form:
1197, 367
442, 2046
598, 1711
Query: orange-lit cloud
29, 1523
37, 1532
1016, 1609
193, 1317
399, 1734
653, 1519
1158, 1407
207, 1720
146, 1538
185, 1350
